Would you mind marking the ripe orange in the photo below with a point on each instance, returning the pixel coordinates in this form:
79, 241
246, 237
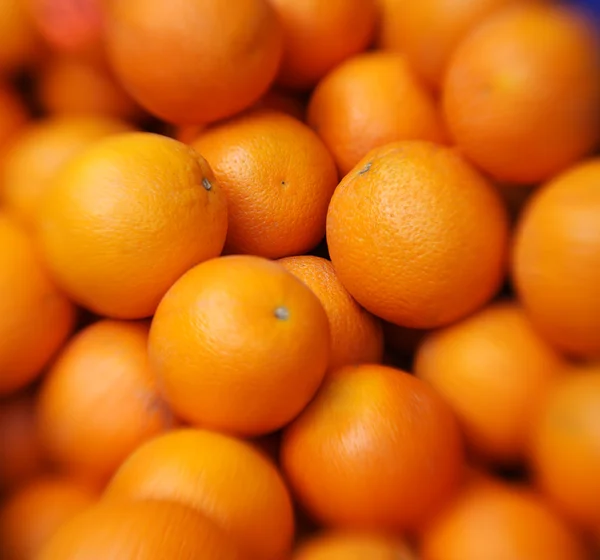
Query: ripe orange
356, 335
342, 545
240, 345
39, 151
13, 116
417, 236
376, 449
429, 31
522, 92
283, 101
368, 101
278, 177
69, 85
493, 369
21, 455
194, 61
100, 390
126, 217
317, 36
35, 317
31, 516
565, 448
148, 530
556, 261
226, 479
20, 42
497, 521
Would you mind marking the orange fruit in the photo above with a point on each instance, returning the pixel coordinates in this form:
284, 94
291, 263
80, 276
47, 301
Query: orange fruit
69, 85
100, 390
39, 151
356, 335
565, 446
556, 259
497, 521
368, 101
226, 479
429, 31
493, 369
342, 545
31, 516
35, 317
376, 449
522, 92
278, 177
126, 217
317, 37
239, 344
417, 235
194, 61
149, 530
283, 101
20, 42
21, 454
13, 116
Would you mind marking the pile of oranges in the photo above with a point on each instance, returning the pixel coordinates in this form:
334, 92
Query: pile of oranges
299, 280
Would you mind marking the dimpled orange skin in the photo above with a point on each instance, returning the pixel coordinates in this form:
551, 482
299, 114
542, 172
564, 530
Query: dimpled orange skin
356, 335
497, 521
35, 316
376, 449
100, 389
37, 154
417, 235
194, 61
370, 100
149, 530
318, 36
341, 545
565, 446
224, 478
493, 369
278, 177
556, 260
521, 94
128, 216
30, 516
239, 344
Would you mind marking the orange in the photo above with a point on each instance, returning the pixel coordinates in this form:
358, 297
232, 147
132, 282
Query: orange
128, 216
417, 235
284, 101
149, 530
341, 545
565, 446
278, 177
20, 42
40, 150
429, 31
317, 37
13, 116
493, 369
226, 479
368, 101
402, 341
35, 316
31, 516
21, 454
356, 335
240, 345
497, 521
522, 92
69, 85
556, 259
376, 449
100, 390
194, 61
